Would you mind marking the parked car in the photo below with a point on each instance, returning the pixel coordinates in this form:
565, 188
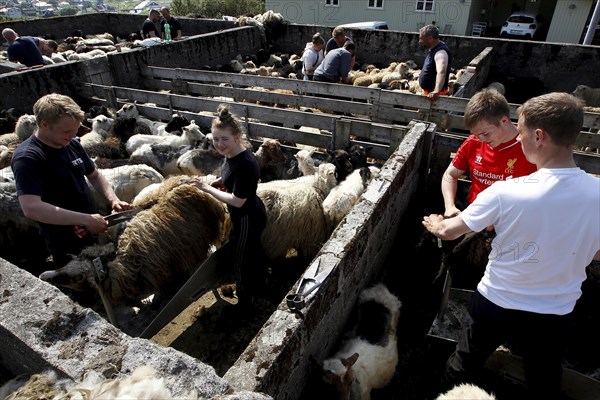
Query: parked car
367, 25
522, 25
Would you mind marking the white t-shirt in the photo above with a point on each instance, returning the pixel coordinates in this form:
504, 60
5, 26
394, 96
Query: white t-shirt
547, 231
311, 58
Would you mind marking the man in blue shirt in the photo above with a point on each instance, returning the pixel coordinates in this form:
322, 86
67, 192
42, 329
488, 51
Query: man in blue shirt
26, 50
436, 67
336, 65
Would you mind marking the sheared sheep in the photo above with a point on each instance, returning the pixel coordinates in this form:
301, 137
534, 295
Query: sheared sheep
161, 157
368, 360
200, 162
295, 218
126, 181
192, 136
466, 391
591, 96
159, 248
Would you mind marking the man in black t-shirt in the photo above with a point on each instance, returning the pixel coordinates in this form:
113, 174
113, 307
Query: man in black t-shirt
50, 169
149, 28
172, 21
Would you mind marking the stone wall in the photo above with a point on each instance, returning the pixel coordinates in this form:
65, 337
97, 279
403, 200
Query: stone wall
116, 24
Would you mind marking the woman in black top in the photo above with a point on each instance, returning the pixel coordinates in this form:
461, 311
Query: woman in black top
237, 188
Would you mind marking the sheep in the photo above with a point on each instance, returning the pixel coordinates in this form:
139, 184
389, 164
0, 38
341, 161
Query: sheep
200, 162
176, 124
6, 153
191, 135
129, 110
159, 248
87, 56
125, 127
161, 157
590, 96
8, 120
272, 163
143, 383
344, 196
498, 87
358, 155
126, 181
100, 126
295, 216
342, 161
368, 360
466, 391
25, 126
306, 163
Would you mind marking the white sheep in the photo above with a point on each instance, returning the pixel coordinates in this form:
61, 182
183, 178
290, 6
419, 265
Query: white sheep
466, 391
344, 196
591, 96
306, 163
87, 56
295, 218
362, 365
126, 181
192, 135
100, 126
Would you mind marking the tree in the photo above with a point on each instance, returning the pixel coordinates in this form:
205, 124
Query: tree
218, 8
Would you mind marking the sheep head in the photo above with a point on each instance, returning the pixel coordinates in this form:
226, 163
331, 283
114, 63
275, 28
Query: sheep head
128, 110
338, 373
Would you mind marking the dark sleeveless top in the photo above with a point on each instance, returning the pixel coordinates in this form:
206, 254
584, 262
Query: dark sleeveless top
429, 71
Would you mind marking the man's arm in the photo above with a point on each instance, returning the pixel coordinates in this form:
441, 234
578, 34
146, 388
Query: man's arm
445, 229
441, 63
103, 187
34, 208
449, 188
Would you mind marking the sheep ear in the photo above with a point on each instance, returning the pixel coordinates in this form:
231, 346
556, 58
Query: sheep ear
90, 120
348, 362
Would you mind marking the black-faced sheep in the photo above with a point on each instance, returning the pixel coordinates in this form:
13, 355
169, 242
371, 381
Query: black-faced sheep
295, 218
466, 391
159, 248
342, 161
358, 155
591, 96
130, 110
369, 359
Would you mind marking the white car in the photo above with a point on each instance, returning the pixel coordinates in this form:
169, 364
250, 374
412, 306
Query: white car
521, 24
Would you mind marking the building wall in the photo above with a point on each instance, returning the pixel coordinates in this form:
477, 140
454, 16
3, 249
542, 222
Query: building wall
568, 23
451, 16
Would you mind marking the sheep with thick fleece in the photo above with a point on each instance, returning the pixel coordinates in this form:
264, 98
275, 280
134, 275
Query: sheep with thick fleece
159, 248
87, 56
369, 359
200, 162
306, 163
466, 391
26, 125
192, 135
126, 181
295, 218
591, 96
344, 196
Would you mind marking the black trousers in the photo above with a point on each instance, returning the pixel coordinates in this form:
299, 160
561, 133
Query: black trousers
248, 257
540, 338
